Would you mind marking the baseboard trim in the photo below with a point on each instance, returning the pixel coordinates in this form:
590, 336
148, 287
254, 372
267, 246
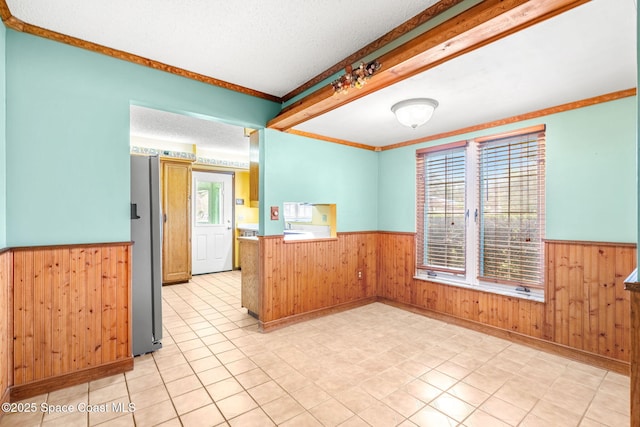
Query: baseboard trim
297, 318
47, 385
540, 344
6, 397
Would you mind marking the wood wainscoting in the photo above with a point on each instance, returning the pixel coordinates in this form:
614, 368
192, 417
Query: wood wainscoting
71, 315
306, 278
6, 360
585, 314
587, 307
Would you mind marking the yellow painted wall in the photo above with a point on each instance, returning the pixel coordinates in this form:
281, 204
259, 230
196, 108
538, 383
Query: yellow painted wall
325, 215
244, 213
321, 214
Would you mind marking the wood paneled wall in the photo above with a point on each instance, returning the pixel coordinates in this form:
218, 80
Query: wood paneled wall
300, 277
70, 310
396, 266
585, 308
634, 383
70, 305
5, 325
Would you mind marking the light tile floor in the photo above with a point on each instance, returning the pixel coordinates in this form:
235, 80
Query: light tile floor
374, 365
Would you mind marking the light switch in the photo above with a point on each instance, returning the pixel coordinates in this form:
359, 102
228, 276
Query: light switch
275, 213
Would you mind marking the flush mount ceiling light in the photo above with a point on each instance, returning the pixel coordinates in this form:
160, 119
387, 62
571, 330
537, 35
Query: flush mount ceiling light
414, 112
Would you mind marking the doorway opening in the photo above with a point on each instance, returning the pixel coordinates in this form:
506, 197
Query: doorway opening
212, 223
190, 143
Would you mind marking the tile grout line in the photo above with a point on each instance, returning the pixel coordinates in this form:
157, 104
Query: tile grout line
272, 379
227, 370
308, 349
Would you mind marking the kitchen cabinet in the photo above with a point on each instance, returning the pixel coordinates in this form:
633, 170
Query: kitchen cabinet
176, 209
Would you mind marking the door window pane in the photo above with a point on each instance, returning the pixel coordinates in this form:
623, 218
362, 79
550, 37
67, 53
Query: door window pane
208, 209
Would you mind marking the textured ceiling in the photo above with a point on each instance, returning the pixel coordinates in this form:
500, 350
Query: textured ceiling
275, 46
272, 46
228, 140
585, 52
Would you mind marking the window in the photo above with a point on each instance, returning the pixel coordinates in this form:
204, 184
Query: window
300, 212
480, 216
309, 221
209, 204
442, 245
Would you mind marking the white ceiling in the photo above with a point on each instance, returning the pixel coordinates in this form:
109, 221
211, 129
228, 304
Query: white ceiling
245, 42
585, 52
228, 140
274, 46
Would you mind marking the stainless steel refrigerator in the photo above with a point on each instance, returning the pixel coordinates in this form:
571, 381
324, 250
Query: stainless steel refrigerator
146, 270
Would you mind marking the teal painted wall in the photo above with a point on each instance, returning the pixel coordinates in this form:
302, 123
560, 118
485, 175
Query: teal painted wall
67, 148
3, 140
68, 136
591, 184
300, 169
397, 190
591, 191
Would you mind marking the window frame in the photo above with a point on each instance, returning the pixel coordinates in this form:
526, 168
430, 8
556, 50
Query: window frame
421, 156
470, 277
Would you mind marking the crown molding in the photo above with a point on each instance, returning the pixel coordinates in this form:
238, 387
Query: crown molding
513, 119
15, 24
528, 116
5, 13
400, 30
488, 21
334, 140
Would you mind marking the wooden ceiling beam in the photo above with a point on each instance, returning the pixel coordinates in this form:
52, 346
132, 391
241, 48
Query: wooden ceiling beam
478, 26
407, 26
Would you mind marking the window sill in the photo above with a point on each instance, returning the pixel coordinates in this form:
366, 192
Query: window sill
535, 295
297, 239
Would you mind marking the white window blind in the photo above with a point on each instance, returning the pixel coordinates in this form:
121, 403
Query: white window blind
441, 209
511, 210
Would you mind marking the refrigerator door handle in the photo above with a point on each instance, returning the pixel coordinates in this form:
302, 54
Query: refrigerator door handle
134, 211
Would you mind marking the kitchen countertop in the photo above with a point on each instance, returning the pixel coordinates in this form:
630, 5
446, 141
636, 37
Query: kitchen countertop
247, 226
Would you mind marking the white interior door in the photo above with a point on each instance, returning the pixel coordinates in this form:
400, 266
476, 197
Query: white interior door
212, 225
